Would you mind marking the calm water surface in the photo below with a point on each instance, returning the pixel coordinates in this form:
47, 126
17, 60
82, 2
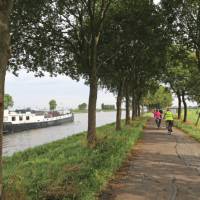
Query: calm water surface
26, 139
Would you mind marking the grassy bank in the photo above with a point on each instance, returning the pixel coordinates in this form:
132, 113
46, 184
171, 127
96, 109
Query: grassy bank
67, 169
189, 127
192, 116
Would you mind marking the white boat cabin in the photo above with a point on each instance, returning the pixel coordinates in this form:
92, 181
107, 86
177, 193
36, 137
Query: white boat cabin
28, 117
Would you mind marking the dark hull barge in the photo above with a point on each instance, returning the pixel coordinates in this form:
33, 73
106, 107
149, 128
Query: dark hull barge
31, 121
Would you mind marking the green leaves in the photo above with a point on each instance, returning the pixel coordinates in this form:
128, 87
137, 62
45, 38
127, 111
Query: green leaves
137, 47
52, 104
183, 23
162, 98
8, 101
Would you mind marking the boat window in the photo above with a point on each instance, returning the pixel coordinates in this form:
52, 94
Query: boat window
20, 118
13, 118
27, 118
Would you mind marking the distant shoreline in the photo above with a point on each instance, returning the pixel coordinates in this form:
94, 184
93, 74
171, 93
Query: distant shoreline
86, 111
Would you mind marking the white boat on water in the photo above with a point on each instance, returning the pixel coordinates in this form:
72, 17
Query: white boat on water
21, 120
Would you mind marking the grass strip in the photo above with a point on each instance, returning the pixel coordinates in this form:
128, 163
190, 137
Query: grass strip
188, 128
67, 169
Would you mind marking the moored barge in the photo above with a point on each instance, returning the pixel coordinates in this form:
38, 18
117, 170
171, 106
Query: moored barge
22, 120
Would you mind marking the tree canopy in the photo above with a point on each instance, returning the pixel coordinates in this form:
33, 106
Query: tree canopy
162, 98
8, 101
82, 106
52, 105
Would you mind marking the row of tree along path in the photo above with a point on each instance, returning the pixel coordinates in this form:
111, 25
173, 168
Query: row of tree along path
129, 47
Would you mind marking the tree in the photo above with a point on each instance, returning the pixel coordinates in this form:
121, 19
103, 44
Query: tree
198, 118
8, 101
190, 24
180, 64
137, 60
52, 105
107, 107
194, 86
194, 81
49, 31
161, 98
66, 39
145, 64
5, 9
82, 106
183, 23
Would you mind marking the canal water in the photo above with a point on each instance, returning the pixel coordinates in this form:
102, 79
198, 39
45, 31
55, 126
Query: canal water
20, 141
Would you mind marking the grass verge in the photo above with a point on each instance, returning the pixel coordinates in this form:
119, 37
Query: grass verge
189, 128
67, 169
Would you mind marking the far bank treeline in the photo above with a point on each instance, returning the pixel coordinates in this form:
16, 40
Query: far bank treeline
126, 46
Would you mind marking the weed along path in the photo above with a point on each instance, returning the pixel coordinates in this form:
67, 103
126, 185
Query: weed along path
161, 167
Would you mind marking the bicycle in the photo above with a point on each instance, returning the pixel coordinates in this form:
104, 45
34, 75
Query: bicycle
169, 125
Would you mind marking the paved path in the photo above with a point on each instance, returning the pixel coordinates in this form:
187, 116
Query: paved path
161, 167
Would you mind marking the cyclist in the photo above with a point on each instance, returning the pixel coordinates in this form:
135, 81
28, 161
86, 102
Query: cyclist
169, 120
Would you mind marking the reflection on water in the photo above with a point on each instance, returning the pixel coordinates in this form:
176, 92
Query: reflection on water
23, 140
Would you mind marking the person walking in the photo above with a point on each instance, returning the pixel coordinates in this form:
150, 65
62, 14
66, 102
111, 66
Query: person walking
169, 120
158, 118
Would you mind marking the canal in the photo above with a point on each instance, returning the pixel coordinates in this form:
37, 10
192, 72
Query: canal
20, 141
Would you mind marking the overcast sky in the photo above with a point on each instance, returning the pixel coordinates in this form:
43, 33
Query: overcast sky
28, 91
156, 1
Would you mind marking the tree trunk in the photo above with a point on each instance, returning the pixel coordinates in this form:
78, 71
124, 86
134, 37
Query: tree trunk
142, 110
197, 122
185, 107
127, 107
96, 25
5, 8
138, 105
198, 39
198, 58
91, 134
139, 111
179, 104
133, 106
119, 103
2, 83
